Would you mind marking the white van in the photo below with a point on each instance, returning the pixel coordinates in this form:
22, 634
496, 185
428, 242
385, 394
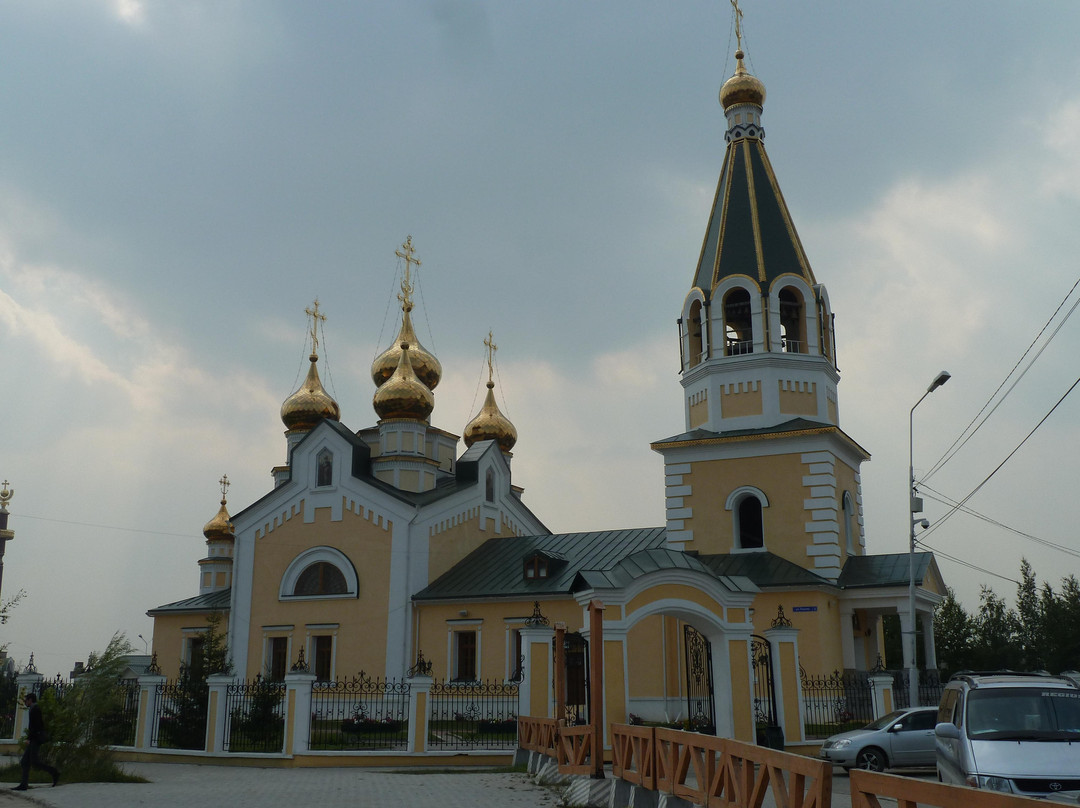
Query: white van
1013, 732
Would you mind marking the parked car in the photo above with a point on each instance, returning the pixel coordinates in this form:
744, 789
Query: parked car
1017, 733
899, 739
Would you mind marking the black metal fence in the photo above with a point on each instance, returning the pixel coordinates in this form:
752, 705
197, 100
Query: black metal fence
930, 687
117, 726
836, 702
181, 706
476, 715
360, 713
255, 716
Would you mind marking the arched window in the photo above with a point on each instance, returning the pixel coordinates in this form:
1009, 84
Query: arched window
751, 530
320, 572
324, 468
693, 330
738, 323
748, 523
320, 578
792, 321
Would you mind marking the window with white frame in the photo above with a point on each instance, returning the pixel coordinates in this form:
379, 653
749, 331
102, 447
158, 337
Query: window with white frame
747, 505
320, 572
324, 468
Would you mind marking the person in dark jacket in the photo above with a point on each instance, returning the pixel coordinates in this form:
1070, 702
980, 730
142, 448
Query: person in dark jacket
35, 737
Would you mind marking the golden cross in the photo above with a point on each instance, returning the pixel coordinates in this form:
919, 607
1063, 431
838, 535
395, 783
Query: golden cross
316, 318
738, 23
224, 482
492, 348
5, 495
406, 254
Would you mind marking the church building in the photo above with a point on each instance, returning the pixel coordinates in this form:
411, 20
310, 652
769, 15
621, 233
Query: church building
379, 544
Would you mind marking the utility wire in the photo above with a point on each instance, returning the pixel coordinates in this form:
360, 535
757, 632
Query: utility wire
968, 564
1000, 465
937, 496
968, 433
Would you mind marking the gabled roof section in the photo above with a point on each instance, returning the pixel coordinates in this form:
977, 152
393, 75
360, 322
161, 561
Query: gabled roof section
890, 569
794, 427
210, 602
750, 230
765, 569
494, 568
654, 559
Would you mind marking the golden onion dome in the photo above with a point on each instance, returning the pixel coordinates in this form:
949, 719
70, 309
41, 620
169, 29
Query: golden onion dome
310, 404
424, 364
220, 527
491, 424
742, 88
403, 395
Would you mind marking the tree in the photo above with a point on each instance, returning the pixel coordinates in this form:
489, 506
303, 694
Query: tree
1030, 616
995, 635
82, 720
952, 635
183, 719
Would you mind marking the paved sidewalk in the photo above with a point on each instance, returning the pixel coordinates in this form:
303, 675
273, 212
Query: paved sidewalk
190, 786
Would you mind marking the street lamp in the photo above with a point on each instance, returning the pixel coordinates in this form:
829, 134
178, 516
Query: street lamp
914, 507
5, 535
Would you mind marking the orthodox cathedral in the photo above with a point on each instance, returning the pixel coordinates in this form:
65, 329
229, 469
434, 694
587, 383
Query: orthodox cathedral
377, 545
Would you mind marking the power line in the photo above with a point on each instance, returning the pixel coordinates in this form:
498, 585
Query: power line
946, 500
968, 564
1000, 465
104, 527
968, 433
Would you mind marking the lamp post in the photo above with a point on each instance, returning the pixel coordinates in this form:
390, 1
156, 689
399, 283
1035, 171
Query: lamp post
914, 507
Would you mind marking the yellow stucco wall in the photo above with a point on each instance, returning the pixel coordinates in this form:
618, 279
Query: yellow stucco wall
743, 718
819, 632
797, 402
777, 476
741, 403
448, 546
646, 640
699, 413
170, 631
362, 620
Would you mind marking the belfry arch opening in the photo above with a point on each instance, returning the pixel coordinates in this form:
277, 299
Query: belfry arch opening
693, 332
738, 323
792, 321
749, 523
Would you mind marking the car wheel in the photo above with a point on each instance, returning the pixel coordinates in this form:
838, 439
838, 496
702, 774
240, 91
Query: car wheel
871, 759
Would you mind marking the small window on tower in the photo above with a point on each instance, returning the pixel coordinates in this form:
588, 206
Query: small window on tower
489, 488
792, 322
536, 566
324, 465
751, 529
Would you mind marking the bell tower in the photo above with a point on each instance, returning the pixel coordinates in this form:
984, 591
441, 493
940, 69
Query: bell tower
763, 465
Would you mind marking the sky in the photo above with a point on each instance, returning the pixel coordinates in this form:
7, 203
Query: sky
178, 181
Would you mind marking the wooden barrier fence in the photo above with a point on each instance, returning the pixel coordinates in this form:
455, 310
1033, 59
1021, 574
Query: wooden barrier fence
711, 771
571, 747
538, 735
633, 751
867, 787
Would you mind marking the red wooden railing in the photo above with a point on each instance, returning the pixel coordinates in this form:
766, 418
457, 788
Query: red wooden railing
867, 787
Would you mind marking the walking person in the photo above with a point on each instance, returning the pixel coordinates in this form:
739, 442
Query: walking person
35, 737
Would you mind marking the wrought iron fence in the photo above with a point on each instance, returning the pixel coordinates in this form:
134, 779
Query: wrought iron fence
181, 707
930, 687
58, 686
360, 713
836, 702
255, 716
117, 726
473, 715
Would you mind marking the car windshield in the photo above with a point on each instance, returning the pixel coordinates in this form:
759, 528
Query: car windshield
1024, 713
886, 720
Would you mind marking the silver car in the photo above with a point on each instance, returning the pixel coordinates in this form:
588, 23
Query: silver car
899, 739
1013, 732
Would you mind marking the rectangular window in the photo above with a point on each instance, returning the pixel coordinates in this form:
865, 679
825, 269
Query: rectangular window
323, 656
195, 657
278, 653
464, 656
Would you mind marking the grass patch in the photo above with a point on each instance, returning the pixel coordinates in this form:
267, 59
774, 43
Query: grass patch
109, 773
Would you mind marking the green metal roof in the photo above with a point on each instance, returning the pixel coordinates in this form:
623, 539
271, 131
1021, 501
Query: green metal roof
750, 231
890, 569
765, 569
494, 569
210, 602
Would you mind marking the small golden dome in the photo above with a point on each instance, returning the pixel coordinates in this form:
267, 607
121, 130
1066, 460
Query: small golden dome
220, 527
310, 404
424, 364
491, 424
742, 88
403, 395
